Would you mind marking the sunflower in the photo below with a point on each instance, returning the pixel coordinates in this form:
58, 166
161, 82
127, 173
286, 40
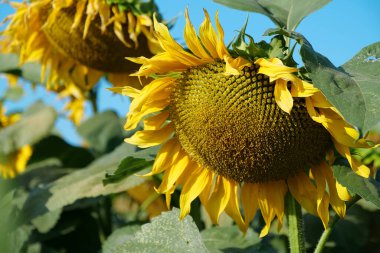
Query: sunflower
238, 134
78, 42
14, 163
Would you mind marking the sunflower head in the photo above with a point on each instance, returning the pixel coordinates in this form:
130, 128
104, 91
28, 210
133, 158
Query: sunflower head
233, 126
78, 42
238, 133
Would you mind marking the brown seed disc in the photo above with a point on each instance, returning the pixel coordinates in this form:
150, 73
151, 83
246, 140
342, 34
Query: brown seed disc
233, 126
99, 50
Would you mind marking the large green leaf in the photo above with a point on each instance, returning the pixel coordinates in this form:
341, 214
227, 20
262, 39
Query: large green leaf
88, 182
285, 13
36, 122
80, 184
103, 132
29, 71
339, 88
166, 234
364, 68
367, 188
118, 237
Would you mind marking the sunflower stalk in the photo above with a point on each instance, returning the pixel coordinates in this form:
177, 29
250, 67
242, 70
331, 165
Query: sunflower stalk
93, 100
325, 235
295, 225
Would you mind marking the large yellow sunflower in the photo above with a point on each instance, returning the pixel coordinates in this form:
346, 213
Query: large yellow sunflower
14, 163
78, 42
238, 134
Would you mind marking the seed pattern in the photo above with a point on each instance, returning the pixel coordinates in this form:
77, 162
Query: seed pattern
99, 50
233, 126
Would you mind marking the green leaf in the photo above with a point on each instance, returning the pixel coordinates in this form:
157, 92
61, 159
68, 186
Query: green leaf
54, 147
364, 68
47, 221
87, 183
166, 234
103, 132
229, 239
118, 237
367, 188
339, 88
29, 71
127, 167
285, 13
13, 93
80, 184
36, 122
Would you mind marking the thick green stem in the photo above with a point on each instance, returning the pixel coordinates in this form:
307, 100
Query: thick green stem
295, 224
93, 98
325, 235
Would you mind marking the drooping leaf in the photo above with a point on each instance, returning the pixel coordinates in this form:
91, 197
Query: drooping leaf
367, 188
166, 234
36, 123
46, 221
127, 167
285, 13
80, 184
29, 71
103, 132
339, 88
364, 68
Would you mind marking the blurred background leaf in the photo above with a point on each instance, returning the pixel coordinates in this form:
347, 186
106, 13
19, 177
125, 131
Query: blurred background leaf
36, 123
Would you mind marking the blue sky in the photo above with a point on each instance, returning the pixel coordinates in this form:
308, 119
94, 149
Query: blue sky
339, 31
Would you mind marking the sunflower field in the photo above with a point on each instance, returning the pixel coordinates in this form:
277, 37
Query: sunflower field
189, 126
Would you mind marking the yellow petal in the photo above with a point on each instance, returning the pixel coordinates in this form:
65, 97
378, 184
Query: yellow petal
168, 196
126, 91
304, 90
249, 193
232, 208
208, 36
149, 138
233, 66
343, 192
271, 202
152, 98
165, 156
155, 122
221, 47
356, 166
304, 192
192, 40
180, 165
218, 199
322, 196
194, 185
158, 64
172, 47
336, 202
282, 96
